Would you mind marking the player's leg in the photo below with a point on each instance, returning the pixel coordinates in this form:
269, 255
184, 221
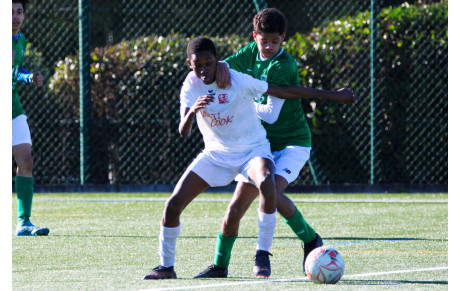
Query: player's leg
23, 156
24, 183
291, 214
243, 196
259, 169
188, 188
289, 162
262, 174
202, 173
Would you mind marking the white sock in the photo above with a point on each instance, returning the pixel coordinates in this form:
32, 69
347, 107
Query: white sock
267, 223
167, 247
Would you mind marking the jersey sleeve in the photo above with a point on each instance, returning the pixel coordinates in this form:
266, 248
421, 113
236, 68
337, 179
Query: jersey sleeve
24, 76
187, 98
269, 112
249, 87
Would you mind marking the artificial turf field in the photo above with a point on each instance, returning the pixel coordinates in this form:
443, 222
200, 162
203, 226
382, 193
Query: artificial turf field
109, 241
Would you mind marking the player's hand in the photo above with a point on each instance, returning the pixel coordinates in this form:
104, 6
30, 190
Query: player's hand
347, 96
222, 75
14, 53
201, 103
37, 79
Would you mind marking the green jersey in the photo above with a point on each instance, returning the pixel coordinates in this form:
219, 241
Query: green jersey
19, 47
291, 127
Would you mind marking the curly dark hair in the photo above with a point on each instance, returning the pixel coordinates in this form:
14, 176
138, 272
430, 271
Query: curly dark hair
23, 2
269, 20
200, 44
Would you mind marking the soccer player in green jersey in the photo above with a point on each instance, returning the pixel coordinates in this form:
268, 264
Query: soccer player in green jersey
22, 143
289, 136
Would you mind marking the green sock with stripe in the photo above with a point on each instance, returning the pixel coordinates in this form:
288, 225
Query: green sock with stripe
300, 227
223, 250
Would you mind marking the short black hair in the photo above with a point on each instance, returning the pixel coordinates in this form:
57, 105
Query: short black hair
199, 44
269, 20
23, 2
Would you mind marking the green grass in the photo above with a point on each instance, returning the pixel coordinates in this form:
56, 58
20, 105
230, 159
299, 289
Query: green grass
109, 241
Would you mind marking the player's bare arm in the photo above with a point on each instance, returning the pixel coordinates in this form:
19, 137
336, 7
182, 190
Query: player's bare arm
343, 95
188, 114
222, 75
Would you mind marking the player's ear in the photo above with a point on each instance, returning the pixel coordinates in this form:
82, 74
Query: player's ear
254, 34
283, 36
217, 58
189, 63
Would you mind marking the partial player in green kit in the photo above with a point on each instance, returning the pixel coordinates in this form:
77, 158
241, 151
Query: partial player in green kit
289, 136
22, 143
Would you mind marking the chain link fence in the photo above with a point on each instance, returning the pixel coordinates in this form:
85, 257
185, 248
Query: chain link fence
397, 133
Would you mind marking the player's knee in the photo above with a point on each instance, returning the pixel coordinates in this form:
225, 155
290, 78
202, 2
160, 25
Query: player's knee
173, 207
25, 164
234, 214
267, 185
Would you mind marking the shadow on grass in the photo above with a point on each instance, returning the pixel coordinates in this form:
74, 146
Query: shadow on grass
385, 238
342, 282
352, 239
389, 282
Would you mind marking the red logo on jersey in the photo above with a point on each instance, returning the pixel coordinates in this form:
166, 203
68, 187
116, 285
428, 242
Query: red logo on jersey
205, 113
218, 121
223, 98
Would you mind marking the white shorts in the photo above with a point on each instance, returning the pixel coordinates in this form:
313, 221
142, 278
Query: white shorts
288, 163
212, 167
21, 131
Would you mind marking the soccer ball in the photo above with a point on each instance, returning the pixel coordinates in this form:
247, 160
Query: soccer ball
324, 265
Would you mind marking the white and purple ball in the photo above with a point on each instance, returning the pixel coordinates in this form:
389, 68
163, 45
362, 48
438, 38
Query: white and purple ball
324, 265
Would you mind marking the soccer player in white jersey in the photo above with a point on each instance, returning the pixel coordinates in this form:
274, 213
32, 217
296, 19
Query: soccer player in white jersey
235, 143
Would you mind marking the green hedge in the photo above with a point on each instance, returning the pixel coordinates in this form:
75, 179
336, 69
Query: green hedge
135, 88
411, 53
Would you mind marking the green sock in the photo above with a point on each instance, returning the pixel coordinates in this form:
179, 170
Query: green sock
300, 227
223, 250
25, 192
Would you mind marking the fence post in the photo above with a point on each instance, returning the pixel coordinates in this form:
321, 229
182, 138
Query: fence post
85, 90
374, 62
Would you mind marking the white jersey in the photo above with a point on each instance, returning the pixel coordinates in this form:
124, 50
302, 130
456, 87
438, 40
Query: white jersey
229, 124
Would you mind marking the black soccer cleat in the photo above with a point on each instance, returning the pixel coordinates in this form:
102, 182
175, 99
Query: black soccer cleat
160, 273
213, 271
262, 264
308, 247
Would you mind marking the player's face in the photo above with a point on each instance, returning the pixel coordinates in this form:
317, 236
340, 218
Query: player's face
18, 17
204, 65
268, 43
